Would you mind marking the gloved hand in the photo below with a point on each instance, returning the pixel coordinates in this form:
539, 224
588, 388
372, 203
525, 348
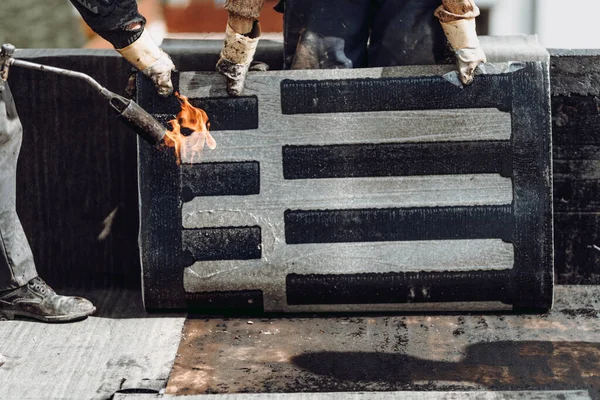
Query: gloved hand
236, 57
462, 36
147, 57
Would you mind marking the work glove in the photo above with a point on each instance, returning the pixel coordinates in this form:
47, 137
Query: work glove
462, 36
145, 55
236, 58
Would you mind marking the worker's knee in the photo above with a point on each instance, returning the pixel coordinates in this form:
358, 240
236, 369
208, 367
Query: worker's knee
331, 34
315, 51
11, 131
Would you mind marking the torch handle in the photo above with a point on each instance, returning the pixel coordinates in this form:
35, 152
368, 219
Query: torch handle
61, 71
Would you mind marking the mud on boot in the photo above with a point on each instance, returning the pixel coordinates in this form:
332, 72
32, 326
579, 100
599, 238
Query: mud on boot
37, 300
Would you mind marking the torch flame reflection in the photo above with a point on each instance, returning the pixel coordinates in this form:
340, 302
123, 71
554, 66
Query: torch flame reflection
189, 147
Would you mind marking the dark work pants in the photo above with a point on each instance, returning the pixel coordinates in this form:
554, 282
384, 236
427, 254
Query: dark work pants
361, 33
16, 260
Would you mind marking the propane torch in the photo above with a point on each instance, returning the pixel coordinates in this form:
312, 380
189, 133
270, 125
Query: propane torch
129, 112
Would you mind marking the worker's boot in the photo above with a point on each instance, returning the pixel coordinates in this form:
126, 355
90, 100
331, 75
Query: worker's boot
37, 300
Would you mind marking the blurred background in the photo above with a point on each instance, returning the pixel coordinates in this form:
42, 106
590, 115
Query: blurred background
55, 23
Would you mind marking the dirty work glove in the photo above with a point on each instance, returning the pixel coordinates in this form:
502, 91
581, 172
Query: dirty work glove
462, 37
147, 57
236, 57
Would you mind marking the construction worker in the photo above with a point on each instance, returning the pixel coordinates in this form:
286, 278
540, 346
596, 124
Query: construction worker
22, 292
355, 33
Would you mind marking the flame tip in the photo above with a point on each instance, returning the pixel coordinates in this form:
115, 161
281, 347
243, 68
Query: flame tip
192, 118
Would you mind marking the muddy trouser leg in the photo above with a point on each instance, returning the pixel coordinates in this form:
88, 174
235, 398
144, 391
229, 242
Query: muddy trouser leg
405, 32
16, 260
326, 34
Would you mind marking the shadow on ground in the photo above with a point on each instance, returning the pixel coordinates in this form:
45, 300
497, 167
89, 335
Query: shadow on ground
500, 365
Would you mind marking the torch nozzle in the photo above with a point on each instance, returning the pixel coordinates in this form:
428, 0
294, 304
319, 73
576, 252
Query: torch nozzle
138, 119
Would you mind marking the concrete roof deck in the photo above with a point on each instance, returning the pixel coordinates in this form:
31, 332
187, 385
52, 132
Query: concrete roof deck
124, 351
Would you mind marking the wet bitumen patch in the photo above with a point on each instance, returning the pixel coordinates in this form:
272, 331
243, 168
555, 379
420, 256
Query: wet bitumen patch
311, 353
581, 313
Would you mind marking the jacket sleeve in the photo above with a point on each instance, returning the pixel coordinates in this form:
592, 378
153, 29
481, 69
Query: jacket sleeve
245, 8
454, 10
111, 19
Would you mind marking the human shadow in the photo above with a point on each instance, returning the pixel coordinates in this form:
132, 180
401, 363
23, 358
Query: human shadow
502, 365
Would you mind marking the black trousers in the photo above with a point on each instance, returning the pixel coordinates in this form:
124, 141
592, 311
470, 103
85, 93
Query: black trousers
361, 33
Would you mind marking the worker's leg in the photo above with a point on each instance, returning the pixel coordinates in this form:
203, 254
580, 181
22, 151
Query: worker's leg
16, 260
406, 32
22, 292
326, 34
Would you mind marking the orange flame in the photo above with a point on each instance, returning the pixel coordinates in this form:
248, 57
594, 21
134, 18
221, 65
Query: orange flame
191, 146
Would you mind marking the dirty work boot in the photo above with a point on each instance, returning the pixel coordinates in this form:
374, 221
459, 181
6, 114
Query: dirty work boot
37, 300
